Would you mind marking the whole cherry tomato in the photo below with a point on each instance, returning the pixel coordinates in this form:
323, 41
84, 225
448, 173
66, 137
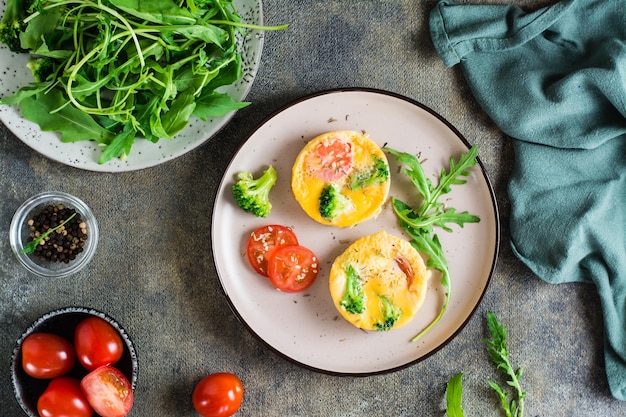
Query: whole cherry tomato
47, 355
64, 398
218, 395
108, 391
97, 343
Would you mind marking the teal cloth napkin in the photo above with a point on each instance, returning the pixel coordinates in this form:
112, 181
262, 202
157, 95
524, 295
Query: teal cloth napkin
554, 80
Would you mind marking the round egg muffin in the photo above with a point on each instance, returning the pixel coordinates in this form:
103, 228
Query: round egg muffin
341, 178
379, 282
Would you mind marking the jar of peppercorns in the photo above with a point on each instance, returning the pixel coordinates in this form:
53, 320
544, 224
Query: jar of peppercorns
54, 234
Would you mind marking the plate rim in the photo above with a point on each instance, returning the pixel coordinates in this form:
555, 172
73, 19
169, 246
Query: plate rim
485, 176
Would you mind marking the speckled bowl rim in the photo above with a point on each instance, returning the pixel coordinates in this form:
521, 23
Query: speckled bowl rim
18, 234
38, 324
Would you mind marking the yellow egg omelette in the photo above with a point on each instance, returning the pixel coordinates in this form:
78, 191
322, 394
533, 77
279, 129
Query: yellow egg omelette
379, 282
341, 178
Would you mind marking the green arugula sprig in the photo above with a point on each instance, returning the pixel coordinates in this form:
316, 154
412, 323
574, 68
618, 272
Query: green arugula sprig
32, 245
433, 212
111, 71
419, 222
499, 352
431, 246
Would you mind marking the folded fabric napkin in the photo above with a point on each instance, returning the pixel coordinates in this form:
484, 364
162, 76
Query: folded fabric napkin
554, 79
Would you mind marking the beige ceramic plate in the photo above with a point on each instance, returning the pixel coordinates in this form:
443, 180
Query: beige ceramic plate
144, 154
305, 327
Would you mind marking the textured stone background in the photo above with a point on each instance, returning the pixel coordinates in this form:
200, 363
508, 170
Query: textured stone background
154, 272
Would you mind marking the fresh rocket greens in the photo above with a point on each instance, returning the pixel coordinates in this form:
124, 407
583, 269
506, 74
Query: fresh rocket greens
499, 352
114, 70
419, 222
431, 246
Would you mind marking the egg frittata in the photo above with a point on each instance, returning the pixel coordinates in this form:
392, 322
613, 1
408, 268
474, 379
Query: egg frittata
341, 178
379, 282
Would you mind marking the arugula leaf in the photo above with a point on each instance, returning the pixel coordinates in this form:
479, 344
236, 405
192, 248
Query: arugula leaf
41, 27
120, 145
454, 396
179, 112
432, 211
437, 260
32, 245
414, 171
499, 352
441, 218
216, 105
456, 170
52, 113
419, 222
156, 11
26, 92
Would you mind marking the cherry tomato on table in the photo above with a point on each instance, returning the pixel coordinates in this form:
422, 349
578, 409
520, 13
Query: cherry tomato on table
218, 395
108, 391
64, 398
97, 343
292, 268
264, 240
47, 355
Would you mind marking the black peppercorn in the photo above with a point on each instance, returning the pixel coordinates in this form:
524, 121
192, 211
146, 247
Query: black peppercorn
64, 243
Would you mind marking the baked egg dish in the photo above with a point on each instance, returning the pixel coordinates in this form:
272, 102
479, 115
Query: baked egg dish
341, 178
379, 282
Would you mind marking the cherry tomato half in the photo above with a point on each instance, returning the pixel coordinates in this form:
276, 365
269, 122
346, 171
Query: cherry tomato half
47, 355
97, 343
292, 268
218, 395
331, 159
108, 391
264, 240
63, 398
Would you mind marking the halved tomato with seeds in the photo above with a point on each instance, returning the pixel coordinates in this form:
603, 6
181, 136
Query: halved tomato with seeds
108, 391
264, 240
292, 268
331, 159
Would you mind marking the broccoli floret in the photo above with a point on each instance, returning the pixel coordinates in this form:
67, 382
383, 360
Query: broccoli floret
377, 173
12, 23
390, 314
354, 298
333, 203
252, 195
42, 68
